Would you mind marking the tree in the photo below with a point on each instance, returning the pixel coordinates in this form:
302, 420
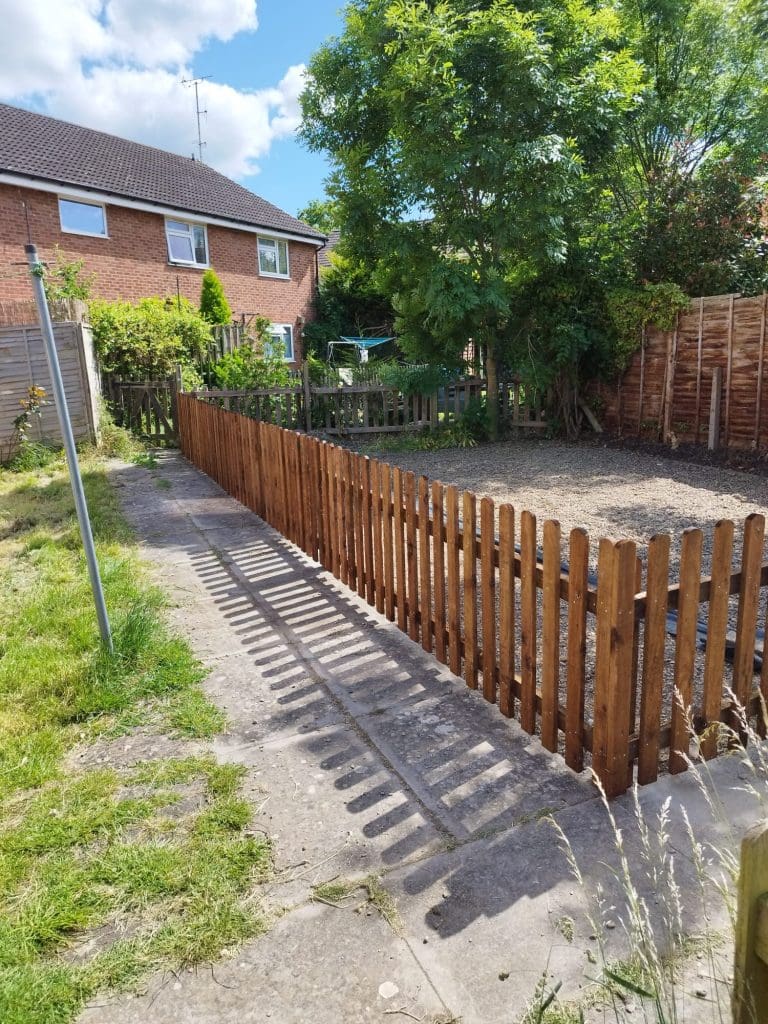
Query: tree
452, 130
348, 301
680, 193
322, 214
213, 303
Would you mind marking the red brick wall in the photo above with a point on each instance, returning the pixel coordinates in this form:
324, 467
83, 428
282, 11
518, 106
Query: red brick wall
133, 262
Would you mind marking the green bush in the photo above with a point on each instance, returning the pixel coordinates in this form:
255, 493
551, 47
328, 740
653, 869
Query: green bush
256, 364
146, 340
425, 379
213, 303
474, 420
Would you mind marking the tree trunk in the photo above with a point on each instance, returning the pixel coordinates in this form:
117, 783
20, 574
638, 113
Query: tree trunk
491, 372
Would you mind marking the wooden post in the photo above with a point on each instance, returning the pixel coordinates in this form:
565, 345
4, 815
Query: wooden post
669, 384
760, 367
750, 975
307, 396
713, 439
729, 369
699, 348
642, 384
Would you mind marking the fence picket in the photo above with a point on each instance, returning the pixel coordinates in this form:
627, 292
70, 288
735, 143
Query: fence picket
488, 597
578, 586
369, 571
411, 550
685, 649
378, 535
389, 564
425, 568
507, 610
528, 617
749, 593
438, 561
550, 635
469, 530
654, 644
358, 506
402, 622
452, 557
717, 629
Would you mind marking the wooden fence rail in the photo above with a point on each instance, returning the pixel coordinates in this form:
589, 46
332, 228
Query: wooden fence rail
376, 408
577, 657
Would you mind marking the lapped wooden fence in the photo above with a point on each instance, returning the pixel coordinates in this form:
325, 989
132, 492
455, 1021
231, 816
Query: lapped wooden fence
578, 659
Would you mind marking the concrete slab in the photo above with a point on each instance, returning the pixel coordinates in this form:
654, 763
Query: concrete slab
318, 965
487, 919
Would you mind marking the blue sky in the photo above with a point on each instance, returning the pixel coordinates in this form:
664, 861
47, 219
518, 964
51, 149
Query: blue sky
118, 66
289, 32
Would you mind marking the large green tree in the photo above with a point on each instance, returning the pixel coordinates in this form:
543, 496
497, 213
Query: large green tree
681, 196
454, 129
505, 168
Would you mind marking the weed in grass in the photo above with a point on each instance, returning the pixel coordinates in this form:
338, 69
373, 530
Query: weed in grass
339, 892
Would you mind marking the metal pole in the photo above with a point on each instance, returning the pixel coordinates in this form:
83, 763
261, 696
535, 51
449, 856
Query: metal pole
35, 268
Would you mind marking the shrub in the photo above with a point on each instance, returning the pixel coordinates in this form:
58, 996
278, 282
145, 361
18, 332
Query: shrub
64, 279
415, 380
257, 364
213, 303
147, 340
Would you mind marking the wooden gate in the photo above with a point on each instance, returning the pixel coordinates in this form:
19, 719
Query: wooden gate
148, 408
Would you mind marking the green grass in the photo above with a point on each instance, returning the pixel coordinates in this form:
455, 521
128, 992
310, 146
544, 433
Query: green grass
153, 863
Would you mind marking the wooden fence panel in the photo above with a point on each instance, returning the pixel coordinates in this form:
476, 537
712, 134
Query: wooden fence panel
445, 582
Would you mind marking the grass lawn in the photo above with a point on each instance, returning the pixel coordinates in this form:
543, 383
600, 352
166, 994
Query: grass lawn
107, 870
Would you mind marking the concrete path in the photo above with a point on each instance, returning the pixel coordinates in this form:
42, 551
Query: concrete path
367, 757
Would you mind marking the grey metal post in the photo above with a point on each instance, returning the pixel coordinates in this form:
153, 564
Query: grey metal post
35, 268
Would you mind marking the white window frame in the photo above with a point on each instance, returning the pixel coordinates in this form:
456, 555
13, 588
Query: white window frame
281, 327
173, 231
277, 242
82, 202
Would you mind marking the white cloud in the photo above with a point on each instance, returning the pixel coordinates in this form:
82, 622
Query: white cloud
117, 65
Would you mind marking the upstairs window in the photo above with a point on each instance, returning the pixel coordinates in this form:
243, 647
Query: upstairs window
273, 257
281, 336
80, 218
187, 243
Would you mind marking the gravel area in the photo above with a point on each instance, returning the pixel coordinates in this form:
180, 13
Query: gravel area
611, 492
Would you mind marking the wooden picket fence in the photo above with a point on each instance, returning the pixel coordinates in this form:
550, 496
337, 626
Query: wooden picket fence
375, 408
578, 659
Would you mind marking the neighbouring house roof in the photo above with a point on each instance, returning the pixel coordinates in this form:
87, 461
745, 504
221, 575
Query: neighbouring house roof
36, 146
323, 255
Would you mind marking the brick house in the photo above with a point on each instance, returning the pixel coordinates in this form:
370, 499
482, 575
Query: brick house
147, 222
